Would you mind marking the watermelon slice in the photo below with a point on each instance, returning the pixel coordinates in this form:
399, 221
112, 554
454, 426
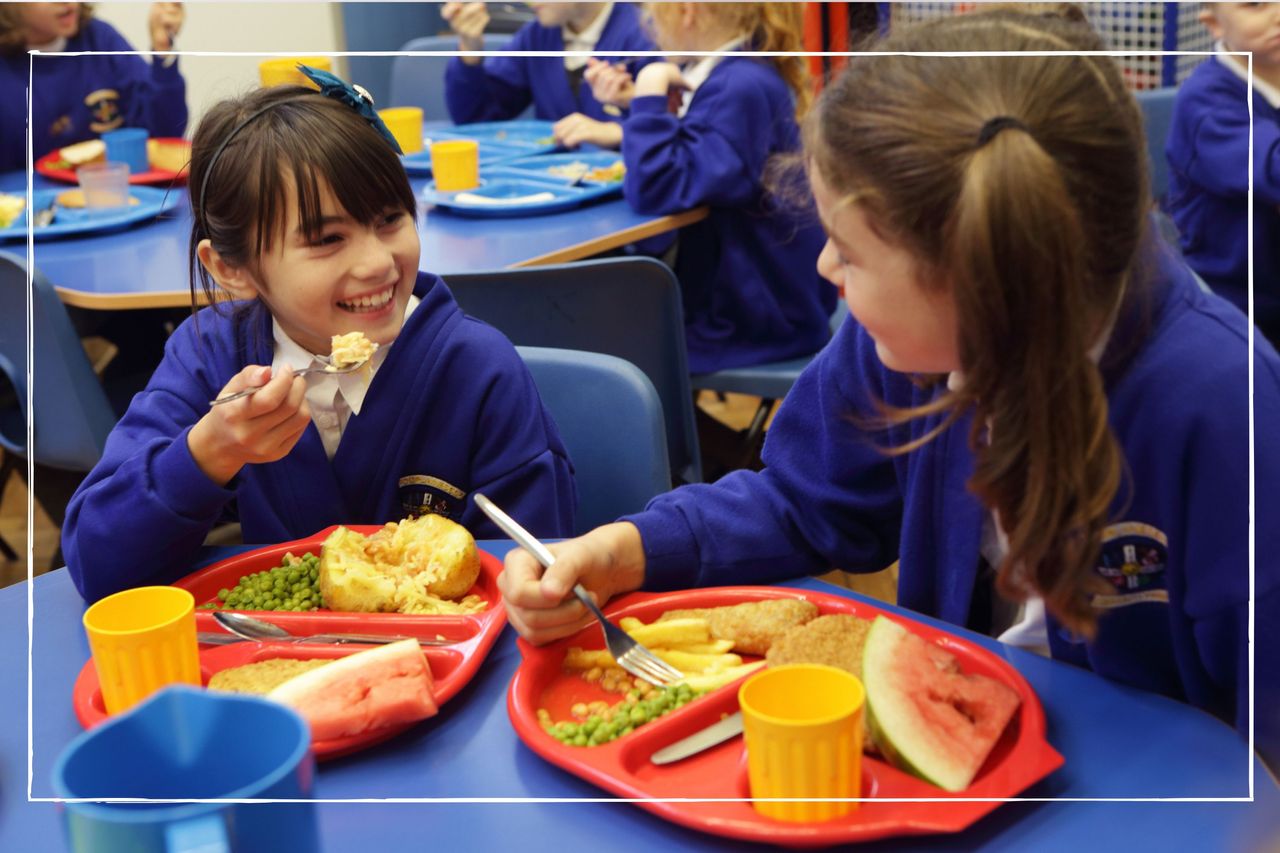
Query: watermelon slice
382, 686
926, 717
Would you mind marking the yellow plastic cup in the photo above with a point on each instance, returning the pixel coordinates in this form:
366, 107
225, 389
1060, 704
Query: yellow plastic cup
405, 124
276, 72
455, 163
802, 724
142, 639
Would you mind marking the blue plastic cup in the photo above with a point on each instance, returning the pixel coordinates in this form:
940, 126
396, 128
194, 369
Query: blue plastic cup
184, 743
128, 145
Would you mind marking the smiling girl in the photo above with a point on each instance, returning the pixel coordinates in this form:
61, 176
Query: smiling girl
304, 219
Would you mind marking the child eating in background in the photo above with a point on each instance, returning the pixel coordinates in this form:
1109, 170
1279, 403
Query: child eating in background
751, 293
303, 215
501, 87
80, 98
1209, 166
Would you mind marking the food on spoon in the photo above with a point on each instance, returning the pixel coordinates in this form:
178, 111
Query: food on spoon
11, 207
378, 687
930, 720
82, 154
350, 349
752, 625
424, 565
263, 676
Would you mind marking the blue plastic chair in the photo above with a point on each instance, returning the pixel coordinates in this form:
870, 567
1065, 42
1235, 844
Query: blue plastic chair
610, 419
418, 81
626, 307
1157, 116
770, 382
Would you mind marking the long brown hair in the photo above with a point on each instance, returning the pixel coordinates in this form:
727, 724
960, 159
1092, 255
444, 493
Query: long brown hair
298, 135
770, 27
12, 37
1034, 232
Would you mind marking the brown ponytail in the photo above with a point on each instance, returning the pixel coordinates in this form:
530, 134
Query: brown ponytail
1034, 229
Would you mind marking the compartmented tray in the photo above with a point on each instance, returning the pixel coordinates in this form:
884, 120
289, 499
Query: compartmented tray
1021, 757
510, 190
499, 141
154, 175
70, 221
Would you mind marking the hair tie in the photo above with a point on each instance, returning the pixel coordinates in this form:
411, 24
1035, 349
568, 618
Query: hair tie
331, 86
997, 124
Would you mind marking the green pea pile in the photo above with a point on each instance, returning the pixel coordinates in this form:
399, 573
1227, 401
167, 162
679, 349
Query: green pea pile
621, 719
292, 585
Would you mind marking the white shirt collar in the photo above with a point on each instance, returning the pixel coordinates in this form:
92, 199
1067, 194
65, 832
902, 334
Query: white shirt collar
697, 73
58, 45
1265, 89
586, 39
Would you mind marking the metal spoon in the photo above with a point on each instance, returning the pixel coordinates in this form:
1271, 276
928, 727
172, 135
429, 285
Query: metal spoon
250, 628
332, 371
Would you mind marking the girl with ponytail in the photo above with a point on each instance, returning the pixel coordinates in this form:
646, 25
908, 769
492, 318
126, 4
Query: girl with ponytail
1036, 410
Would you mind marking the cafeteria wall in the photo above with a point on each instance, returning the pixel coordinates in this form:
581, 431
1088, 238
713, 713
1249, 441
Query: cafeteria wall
234, 26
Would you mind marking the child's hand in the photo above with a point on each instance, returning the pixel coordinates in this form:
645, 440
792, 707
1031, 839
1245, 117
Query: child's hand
607, 561
575, 129
610, 84
659, 78
164, 21
468, 20
262, 427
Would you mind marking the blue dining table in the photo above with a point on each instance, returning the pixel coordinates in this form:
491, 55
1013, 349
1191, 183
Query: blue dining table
145, 266
1117, 743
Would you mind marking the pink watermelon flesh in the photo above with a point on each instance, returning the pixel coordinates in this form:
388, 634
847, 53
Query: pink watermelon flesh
384, 686
926, 716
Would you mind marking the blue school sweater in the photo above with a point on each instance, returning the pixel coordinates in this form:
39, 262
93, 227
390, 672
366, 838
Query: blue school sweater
75, 98
748, 276
451, 411
1176, 552
501, 87
1208, 151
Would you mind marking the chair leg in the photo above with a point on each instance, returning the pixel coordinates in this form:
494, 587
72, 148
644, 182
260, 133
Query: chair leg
753, 435
8, 465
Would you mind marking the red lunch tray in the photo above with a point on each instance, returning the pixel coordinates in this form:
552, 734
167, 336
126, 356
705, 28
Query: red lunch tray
151, 176
452, 667
1021, 757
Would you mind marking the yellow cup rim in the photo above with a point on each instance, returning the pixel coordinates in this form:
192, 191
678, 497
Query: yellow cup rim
189, 602
403, 112
291, 61
455, 145
749, 711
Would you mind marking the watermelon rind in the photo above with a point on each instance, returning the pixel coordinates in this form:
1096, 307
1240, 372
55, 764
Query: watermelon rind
892, 720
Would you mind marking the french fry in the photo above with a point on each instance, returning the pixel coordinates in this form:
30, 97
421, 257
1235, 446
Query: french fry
691, 662
629, 623
578, 658
715, 647
673, 633
709, 681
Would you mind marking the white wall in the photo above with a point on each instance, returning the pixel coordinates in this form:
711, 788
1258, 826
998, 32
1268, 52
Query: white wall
232, 26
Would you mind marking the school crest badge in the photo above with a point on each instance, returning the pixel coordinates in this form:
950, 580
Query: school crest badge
421, 494
1133, 560
104, 106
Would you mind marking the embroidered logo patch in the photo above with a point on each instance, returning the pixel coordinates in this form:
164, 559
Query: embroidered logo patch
421, 494
104, 105
1133, 560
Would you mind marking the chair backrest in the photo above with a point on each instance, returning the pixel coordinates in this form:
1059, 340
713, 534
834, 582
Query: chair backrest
610, 419
1157, 115
418, 81
70, 413
627, 307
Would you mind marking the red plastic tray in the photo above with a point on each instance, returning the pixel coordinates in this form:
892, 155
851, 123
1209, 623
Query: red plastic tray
452, 666
1021, 757
151, 176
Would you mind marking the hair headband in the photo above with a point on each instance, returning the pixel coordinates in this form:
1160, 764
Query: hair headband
997, 124
331, 86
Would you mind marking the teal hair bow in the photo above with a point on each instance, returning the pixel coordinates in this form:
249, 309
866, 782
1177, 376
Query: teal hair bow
356, 97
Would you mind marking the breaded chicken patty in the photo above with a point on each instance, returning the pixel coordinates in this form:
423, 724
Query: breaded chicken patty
752, 625
835, 640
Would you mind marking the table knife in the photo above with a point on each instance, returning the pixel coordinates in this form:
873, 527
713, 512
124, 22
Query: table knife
718, 732
215, 638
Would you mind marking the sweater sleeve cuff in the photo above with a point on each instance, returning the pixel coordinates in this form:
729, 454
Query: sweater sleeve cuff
670, 550
182, 486
649, 104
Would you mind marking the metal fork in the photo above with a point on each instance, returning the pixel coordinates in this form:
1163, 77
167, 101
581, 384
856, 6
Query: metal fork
629, 654
336, 371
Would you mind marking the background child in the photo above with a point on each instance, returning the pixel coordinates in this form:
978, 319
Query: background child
480, 89
83, 97
746, 272
1036, 396
1208, 150
304, 214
